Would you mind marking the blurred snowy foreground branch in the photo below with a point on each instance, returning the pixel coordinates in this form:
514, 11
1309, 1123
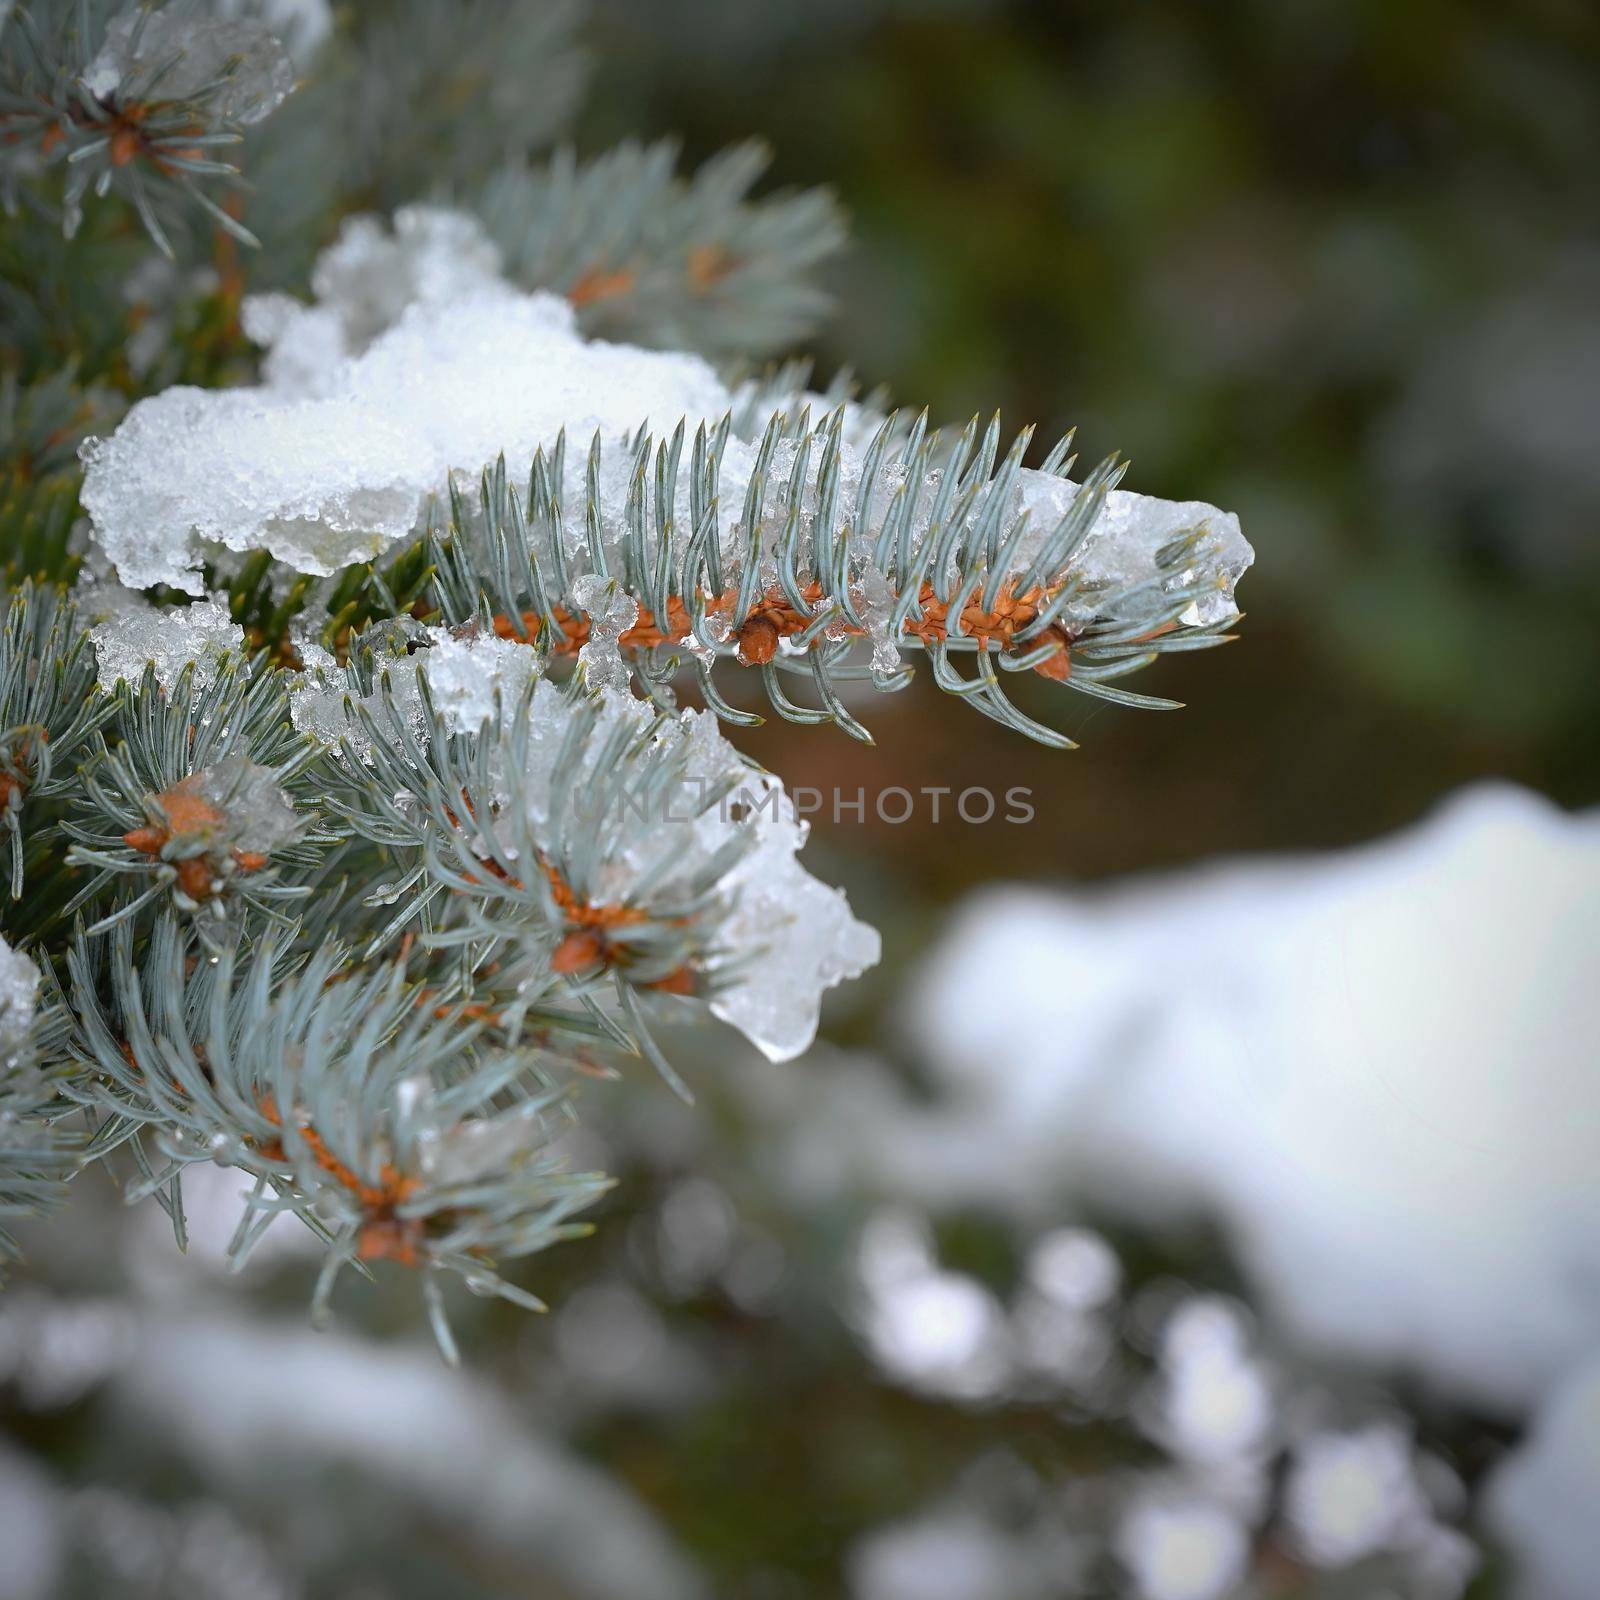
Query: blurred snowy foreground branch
1376, 1071
391, 1420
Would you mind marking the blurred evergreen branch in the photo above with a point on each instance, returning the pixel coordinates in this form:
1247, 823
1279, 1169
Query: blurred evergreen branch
136, 100
656, 259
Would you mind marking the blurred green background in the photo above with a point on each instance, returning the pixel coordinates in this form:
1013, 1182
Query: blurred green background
1333, 267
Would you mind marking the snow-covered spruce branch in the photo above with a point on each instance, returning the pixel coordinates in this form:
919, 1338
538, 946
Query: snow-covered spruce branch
783, 542
212, 837
552, 829
802, 578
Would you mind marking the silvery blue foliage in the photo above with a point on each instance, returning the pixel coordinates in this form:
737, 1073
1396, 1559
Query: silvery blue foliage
351, 808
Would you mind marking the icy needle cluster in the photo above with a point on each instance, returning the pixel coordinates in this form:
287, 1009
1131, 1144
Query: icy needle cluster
133, 634
604, 840
144, 101
238, 67
767, 937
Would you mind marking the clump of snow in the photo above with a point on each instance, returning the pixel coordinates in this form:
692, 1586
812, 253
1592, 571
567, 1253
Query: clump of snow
258, 815
326, 700
1542, 1501
1375, 1067
1350, 1495
795, 936
1074, 1267
362, 284
19, 999
465, 674
611, 612
1214, 1398
305, 345
239, 68
319, 484
1120, 550
928, 1327
335, 477
134, 634
370, 274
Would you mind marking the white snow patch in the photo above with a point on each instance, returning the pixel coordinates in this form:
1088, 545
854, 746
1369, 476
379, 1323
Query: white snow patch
134, 634
1177, 1546
465, 675
336, 476
1376, 1067
19, 998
